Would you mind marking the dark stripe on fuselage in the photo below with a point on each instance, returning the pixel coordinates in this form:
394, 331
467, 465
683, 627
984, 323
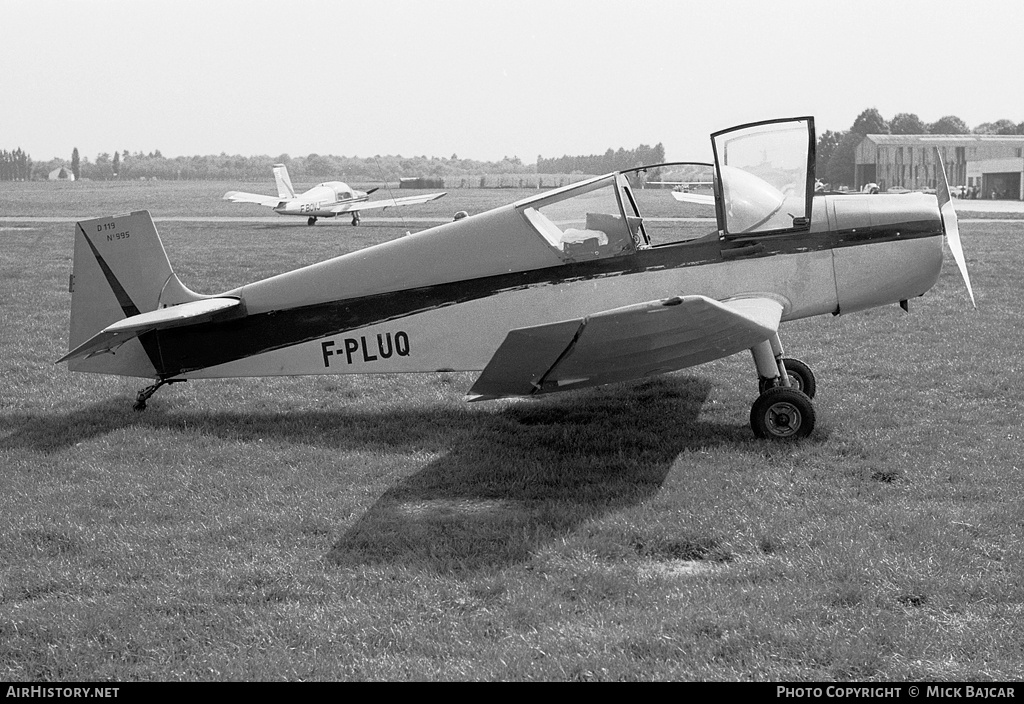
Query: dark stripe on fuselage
208, 344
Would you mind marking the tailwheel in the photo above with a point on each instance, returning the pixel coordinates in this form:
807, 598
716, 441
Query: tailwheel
311, 221
800, 376
144, 394
782, 413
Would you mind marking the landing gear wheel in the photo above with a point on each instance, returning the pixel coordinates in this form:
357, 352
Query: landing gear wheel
782, 413
311, 221
800, 375
355, 218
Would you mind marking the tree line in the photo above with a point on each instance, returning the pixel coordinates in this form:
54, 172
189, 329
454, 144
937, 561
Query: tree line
835, 150
611, 160
15, 166
316, 167
835, 159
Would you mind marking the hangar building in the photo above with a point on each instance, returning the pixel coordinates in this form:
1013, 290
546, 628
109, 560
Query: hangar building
986, 165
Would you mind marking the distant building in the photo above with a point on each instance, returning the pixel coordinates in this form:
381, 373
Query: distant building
987, 165
420, 182
62, 173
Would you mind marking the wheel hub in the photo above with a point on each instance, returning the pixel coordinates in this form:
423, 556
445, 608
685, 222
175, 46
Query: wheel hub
783, 419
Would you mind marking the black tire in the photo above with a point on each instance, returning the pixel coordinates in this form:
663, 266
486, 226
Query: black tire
311, 222
800, 376
782, 413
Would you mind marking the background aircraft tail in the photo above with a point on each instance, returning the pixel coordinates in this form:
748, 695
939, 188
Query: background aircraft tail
120, 270
284, 182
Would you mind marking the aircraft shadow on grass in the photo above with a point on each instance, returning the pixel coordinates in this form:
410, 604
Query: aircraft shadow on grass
504, 483
522, 478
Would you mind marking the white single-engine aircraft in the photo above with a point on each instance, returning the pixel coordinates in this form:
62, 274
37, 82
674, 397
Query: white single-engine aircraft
558, 291
326, 200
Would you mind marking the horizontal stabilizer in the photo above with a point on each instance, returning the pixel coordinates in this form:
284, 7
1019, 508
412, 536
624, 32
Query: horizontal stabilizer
242, 197
113, 336
387, 202
625, 343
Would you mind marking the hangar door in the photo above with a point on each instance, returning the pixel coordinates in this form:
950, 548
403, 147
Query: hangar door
1005, 186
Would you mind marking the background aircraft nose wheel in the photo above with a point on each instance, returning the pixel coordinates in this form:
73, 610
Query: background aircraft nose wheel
782, 413
800, 376
311, 221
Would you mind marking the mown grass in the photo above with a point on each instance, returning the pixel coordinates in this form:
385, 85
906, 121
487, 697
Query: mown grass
379, 528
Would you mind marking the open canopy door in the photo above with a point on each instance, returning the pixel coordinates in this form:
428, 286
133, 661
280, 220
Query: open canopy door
765, 173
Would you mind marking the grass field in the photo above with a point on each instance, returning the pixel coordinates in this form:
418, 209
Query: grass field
379, 528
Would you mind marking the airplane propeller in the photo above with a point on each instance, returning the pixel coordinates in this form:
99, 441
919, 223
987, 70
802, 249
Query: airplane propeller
372, 190
951, 227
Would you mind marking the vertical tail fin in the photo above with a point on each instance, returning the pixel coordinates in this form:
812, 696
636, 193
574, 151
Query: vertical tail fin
284, 182
120, 270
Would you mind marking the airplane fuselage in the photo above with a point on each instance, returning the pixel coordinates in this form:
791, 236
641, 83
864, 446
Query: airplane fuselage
322, 201
410, 305
561, 290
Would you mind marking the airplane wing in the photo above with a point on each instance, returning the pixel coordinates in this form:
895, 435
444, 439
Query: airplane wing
113, 336
702, 198
242, 197
386, 202
625, 343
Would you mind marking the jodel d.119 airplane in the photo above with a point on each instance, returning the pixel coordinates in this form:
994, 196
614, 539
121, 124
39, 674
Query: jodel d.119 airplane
326, 200
558, 291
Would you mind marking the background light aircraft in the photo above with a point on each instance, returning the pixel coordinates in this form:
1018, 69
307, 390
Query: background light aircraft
558, 291
684, 193
326, 200
689, 190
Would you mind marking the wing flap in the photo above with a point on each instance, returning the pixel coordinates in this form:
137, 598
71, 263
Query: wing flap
113, 336
625, 343
388, 202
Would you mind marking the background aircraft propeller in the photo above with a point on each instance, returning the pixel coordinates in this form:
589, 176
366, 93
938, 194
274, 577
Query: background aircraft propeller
951, 227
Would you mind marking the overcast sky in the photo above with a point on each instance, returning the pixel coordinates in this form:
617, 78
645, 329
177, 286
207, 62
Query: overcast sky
485, 79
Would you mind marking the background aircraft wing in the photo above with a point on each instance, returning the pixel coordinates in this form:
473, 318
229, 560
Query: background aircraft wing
625, 343
702, 198
386, 202
242, 197
113, 336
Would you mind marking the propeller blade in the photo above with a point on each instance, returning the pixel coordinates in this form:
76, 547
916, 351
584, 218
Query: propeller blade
951, 227
372, 190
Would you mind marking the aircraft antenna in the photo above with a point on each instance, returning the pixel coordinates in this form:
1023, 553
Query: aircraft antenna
385, 180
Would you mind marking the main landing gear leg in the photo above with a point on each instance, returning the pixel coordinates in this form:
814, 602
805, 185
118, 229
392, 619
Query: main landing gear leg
144, 394
784, 410
355, 218
311, 221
